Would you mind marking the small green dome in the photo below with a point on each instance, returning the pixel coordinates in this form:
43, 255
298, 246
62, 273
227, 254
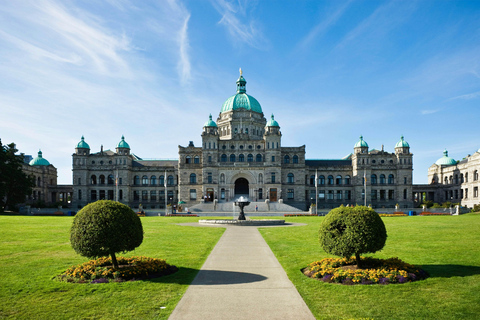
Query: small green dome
210, 122
82, 144
272, 122
402, 144
123, 144
446, 160
361, 143
241, 100
39, 161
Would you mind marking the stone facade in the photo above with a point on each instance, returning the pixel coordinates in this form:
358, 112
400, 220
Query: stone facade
242, 155
454, 181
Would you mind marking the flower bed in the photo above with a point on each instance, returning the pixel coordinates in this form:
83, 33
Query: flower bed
375, 271
395, 214
132, 268
435, 214
299, 214
180, 215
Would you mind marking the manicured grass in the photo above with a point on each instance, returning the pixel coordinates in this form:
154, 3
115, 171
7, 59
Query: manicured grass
446, 246
35, 249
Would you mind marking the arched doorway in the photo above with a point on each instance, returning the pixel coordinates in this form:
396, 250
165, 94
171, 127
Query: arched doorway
241, 187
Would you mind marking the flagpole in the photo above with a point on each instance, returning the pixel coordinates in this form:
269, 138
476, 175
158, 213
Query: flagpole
165, 185
316, 192
365, 185
116, 186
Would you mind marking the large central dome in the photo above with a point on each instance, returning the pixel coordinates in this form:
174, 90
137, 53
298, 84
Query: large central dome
241, 100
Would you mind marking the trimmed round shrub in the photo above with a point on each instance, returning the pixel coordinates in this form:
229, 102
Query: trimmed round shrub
104, 228
348, 231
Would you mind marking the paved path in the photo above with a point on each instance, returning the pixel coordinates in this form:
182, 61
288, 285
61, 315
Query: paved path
241, 279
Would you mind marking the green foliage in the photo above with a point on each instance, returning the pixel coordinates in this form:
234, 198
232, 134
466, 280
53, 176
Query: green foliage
15, 185
348, 231
476, 208
104, 228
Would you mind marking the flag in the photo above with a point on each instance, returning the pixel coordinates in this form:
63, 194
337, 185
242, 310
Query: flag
316, 177
165, 180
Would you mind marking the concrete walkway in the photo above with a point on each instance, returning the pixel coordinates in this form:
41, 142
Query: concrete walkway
241, 279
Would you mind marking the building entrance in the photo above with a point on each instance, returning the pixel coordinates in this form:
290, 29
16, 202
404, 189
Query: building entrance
241, 187
273, 195
209, 197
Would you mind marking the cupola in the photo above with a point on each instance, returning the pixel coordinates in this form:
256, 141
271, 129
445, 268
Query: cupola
39, 161
402, 146
82, 148
241, 100
210, 122
272, 122
445, 160
122, 147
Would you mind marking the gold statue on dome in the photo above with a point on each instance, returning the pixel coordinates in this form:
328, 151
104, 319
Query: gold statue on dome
241, 72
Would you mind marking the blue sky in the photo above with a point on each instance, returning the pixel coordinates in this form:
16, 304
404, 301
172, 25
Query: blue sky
153, 71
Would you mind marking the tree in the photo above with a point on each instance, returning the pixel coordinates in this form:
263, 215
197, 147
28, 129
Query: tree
104, 228
348, 231
15, 185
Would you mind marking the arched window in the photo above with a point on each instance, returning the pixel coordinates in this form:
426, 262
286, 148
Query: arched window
347, 179
461, 178
466, 176
222, 178
136, 180
259, 158
373, 179
456, 179
446, 180
260, 178
382, 179
144, 180
391, 179
161, 180
312, 180
286, 159
170, 180
290, 178
451, 179
193, 178
321, 180
102, 179
250, 158
110, 179
232, 158
241, 158
330, 180
295, 159
223, 158
338, 180
188, 159
153, 180
475, 175
93, 180
196, 160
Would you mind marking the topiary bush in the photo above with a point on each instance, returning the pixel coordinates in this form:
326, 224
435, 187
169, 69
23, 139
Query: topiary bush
348, 231
105, 227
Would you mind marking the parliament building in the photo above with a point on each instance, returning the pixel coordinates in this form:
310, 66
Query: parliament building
242, 155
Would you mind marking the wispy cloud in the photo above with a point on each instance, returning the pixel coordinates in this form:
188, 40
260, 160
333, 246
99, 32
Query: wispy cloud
249, 32
323, 26
425, 112
468, 96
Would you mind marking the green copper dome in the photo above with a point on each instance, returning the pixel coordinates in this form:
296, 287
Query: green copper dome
402, 144
361, 143
83, 144
210, 122
39, 161
241, 100
123, 144
446, 160
272, 122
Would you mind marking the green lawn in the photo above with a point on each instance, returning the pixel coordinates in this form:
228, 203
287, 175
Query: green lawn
35, 249
446, 246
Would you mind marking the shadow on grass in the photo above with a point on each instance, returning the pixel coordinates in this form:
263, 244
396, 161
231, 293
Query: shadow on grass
450, 270
185, 276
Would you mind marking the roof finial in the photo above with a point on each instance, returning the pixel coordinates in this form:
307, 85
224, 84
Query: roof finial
241, 72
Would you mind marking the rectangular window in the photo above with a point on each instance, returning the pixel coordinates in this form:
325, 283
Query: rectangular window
210, 179
222, 194
119, 180
120, 195
144, 195
79, 194
374, 194
290, 194
390, 194
475, 192
339, 194
404, 180
193, 194
102, 195
382, 194
330, 195
348, 195
93, 195
273, 177
321, 195
136, 195
273, 158
466, 193
260, 194
110, 195
312, 195
153, 195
